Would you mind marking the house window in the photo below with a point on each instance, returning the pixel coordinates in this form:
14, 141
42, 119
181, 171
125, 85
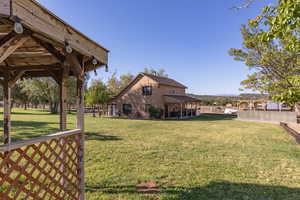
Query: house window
127, 109
147, 90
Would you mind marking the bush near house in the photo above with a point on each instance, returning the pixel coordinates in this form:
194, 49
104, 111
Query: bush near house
155, 113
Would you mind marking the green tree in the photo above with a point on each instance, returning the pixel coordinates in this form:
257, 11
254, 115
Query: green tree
115, 84
72, 92
272, 65
280, 22
97, 94
160, 72
278, 30
19, 96
125, 79
43, 90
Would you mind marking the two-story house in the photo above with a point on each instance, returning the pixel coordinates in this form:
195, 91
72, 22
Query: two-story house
147, 90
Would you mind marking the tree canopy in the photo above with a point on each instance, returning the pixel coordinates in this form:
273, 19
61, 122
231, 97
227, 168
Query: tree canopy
280, 21
115, 84
97, 93
271, 51
159, 72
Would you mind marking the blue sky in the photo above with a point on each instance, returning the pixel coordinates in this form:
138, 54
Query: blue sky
189, 39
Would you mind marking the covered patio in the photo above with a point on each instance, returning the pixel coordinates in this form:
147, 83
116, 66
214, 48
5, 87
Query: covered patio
36, 43
180, 107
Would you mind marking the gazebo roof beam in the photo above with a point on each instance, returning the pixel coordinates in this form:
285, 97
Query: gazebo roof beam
75, 65
50, 48
10, 43
7, 37
31, 68
15, 77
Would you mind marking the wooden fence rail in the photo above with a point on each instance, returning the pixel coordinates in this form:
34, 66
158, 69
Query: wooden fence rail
47, 167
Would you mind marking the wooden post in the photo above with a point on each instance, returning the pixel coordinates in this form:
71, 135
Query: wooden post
80, 125
63, 97
6, 107
63, 78
181, 112
80, 104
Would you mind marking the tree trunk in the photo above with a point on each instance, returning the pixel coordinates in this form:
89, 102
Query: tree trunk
53, 108
94, 111
98, 109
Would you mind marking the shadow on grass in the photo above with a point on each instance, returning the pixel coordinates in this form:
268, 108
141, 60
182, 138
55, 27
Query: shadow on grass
202, 117
28, 129
217, 190
98, 136
29, 113
212, 117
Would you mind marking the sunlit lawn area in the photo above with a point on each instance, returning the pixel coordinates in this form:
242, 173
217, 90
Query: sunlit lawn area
210, 158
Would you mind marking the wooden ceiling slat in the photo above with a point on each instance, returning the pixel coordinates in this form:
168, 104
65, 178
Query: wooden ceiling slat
5, 28
10, 44
50, 48
30, 49
31, 68
36, 55
44, 60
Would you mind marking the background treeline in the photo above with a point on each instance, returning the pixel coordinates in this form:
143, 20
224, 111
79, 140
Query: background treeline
223, 100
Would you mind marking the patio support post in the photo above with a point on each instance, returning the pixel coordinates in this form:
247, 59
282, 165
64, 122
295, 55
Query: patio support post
62, 81
6, 107
80, 125
63, 97
181, 112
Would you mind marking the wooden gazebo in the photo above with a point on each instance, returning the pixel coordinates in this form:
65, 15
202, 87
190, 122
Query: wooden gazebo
36, 43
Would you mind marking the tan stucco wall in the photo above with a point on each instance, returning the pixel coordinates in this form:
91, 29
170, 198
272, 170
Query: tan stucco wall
164, 89
138, 101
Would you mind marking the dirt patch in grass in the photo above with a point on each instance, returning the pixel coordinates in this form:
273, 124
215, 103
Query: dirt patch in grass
148, 188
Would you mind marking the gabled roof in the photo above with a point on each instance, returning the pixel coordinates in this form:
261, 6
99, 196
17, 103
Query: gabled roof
165, 80
158, 79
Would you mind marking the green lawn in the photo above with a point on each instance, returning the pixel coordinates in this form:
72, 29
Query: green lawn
210, 158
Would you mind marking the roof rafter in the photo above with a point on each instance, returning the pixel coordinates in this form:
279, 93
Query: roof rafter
50, 48
10, 43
